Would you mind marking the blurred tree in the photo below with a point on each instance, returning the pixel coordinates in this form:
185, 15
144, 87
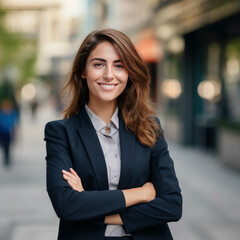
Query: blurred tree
17, 55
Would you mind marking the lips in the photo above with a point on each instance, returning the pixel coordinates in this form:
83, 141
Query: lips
107, 87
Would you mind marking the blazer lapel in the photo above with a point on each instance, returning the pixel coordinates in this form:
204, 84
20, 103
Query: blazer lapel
91, 142
127, 145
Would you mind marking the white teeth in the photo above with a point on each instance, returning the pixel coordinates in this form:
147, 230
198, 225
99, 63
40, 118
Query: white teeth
107, 85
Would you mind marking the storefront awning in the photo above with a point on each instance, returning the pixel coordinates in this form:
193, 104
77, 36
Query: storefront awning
149, 49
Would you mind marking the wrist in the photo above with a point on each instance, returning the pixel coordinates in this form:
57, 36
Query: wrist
134, 196
113, 220
144, 194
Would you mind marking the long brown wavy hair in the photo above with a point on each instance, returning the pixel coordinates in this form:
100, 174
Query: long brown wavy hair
134, 102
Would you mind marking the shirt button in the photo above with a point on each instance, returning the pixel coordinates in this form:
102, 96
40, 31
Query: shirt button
115, 179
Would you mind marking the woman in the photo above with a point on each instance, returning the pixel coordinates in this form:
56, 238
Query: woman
109, 173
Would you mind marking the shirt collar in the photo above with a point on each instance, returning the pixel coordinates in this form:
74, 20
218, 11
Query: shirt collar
115, 119
98, 123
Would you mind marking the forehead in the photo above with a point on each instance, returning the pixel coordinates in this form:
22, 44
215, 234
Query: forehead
104, 50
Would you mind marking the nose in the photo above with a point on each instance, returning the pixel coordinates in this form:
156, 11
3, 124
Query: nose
108, 74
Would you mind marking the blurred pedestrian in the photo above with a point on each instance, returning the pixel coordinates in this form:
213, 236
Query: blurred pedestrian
109, 173
34, 106
8, 122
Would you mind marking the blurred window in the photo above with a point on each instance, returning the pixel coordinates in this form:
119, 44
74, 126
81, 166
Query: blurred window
232, 78
209, 88
172, 83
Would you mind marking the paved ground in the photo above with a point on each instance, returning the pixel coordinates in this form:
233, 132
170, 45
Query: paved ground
211, 192
211, 195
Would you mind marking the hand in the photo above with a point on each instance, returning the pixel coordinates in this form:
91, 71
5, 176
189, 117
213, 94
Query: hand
73, 180
113, 220
150, 192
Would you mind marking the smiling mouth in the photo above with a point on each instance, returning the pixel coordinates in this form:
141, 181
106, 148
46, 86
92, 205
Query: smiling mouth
107, 86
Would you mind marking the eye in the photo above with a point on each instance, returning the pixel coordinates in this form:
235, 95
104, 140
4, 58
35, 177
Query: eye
98, 65
119, 66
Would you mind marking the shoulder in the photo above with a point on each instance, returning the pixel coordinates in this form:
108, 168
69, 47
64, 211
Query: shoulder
64, 122
156, 119
160, 140
62, 125
158, 128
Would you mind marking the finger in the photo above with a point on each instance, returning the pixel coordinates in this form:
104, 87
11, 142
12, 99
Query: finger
66, 172
75, 183
74, 186
71, 175
67, 177
71, 184
73, 180
74, 173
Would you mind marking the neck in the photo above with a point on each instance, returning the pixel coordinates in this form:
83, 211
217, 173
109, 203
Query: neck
103, 110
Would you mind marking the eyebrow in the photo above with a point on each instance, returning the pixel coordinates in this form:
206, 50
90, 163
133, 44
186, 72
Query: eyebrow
104, 60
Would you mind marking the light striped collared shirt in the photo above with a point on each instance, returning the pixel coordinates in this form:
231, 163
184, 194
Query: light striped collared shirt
108, 136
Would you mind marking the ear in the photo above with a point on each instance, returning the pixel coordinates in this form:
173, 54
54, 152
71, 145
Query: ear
84, 75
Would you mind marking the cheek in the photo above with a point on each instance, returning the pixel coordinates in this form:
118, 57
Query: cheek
92, 74
124, 77
88, 82
123, 85
90, 78
90, 85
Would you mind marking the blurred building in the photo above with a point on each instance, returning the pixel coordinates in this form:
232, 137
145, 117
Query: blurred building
55, 26
199, 75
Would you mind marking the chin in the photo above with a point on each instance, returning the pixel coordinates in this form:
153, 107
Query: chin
108, 98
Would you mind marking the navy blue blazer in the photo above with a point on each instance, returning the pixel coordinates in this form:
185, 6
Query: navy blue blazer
73, 143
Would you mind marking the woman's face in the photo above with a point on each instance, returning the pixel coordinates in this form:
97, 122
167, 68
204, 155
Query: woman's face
105, 74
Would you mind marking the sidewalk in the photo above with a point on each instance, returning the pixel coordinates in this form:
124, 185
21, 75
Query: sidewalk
211, 192
211, 197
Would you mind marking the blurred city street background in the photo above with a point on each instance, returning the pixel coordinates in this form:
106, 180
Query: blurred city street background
192, 49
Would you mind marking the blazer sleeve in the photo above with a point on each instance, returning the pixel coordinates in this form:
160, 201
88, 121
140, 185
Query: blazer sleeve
68, 203
167, 206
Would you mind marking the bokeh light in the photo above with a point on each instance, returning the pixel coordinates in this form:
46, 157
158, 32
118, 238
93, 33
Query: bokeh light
171, 88
233, 67
28, 91
209, 89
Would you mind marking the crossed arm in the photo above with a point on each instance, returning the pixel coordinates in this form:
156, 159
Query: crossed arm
132, 196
